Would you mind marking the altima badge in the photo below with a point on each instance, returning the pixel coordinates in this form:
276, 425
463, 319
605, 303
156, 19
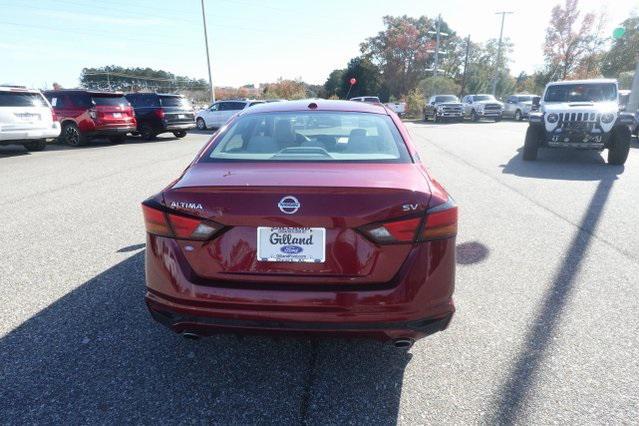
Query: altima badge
289, 204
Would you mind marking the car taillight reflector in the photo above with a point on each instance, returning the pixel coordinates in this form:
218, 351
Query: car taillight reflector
398, 231
159, 113
167, 224
54, 116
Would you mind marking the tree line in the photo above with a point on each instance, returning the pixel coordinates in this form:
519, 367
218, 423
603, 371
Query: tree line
398, 62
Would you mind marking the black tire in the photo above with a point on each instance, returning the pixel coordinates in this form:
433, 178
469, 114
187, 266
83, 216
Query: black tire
497, 119
146, 131
179, 134
518, 115
532, 142
474, 116
117, 139
38, 145
436, 119
619, 146
200, 124
72, 136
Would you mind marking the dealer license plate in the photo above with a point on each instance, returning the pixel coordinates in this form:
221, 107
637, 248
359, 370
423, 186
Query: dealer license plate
289, 244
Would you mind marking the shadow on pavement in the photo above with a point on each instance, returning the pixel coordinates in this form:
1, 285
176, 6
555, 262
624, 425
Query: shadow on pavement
95, 356
471, 252
520, 382
560, 164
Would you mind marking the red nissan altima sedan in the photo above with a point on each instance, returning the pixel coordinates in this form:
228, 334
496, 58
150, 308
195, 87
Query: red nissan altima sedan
309, 216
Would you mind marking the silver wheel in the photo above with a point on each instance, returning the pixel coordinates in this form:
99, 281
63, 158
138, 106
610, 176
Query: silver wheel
201, 125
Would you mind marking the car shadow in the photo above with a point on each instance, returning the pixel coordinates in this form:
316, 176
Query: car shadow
95, 356
560, 164
7, 151
519, 383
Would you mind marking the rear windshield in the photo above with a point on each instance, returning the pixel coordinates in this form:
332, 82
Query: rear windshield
21, 99
109, 100
311, 136
599, 92
174, 101
447, 98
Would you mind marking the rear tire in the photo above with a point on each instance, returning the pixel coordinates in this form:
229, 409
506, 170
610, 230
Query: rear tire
531, 143
497, 119
117, 139
38, 145
201, 125
619, 146
474, 116
518, 115
72, 136
146, 132
180, 134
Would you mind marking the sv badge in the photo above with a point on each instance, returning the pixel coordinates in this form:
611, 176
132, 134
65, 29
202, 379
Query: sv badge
409, 207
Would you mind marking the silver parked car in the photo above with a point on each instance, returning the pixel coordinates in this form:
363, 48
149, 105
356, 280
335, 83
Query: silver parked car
518, 106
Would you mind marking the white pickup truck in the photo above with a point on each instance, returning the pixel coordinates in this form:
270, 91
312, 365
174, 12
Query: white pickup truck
398, 107
26, 118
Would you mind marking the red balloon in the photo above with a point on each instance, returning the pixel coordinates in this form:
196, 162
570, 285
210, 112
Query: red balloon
353, 81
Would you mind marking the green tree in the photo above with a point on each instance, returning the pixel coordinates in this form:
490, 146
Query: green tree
438, 86
401, 51
113, 77
367, 75
333, 84
622, 55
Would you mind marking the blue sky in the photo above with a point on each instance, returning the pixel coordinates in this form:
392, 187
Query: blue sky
252, 41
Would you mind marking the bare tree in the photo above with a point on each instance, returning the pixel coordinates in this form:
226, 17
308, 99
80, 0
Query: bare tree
571, 40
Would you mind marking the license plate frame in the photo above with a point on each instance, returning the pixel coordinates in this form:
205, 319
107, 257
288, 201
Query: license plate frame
291, 244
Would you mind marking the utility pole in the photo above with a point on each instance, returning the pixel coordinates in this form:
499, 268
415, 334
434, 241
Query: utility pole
463, 85
208, 60
438, 33
498, 63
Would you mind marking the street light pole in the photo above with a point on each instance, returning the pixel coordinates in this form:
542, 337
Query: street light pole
439, 22
498, 63
208, 60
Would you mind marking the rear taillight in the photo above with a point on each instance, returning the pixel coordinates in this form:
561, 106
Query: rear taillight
161, 221
438, 223
441, 222
159, 113
54, 116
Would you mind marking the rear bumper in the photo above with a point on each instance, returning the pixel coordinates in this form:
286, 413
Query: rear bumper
112, 131
30, 134
179, 126
418, 302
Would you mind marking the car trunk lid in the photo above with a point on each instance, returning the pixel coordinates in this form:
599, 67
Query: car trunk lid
246, 196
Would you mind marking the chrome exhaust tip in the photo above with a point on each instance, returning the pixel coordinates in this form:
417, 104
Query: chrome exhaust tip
403, 343
190, 336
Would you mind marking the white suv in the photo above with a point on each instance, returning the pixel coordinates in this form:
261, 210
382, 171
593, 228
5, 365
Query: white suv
219, 113
26, 118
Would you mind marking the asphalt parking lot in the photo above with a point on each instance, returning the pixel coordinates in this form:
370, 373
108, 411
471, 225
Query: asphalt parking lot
547, 327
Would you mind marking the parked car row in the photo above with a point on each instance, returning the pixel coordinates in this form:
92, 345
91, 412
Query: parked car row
76, 116
476, 107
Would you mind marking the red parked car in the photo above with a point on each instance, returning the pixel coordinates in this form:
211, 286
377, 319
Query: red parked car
306, 216
86, 114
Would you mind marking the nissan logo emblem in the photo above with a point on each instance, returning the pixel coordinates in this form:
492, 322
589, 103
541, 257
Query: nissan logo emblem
289, 205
